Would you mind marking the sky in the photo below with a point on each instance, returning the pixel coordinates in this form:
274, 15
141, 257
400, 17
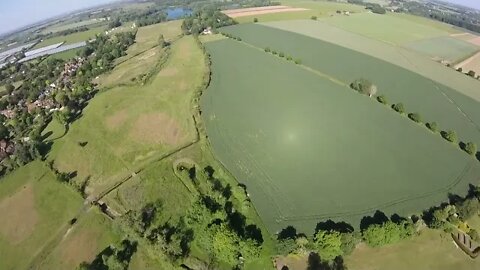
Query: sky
468, 3
18, 13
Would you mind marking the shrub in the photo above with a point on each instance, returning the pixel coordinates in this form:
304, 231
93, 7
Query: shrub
267, 49
298, 61
471, 148
364, 86
460, 69
387, 233
382, 99
289, 58
281, 54
255, 20
450, 136
471, 73
432, 126
415, 117
274, 52
313, 18
399, 108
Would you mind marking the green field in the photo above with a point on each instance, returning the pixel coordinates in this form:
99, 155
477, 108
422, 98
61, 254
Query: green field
387, 28
35, 208
63, 26
278, 131
434, 101
444, 48
315, 8
133, 125
399, 56
72, 38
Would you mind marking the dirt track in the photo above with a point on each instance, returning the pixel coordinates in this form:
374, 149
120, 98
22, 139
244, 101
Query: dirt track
242, 12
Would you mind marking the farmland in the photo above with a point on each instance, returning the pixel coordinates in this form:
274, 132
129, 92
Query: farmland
35, 208
300, 137
445, 48
72, 38
65, 26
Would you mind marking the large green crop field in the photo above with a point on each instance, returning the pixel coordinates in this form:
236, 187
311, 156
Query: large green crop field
305, 158
72, 38
444, 48
434, 101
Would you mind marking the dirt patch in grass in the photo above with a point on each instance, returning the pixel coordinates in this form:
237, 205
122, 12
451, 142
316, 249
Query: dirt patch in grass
168, 72
116, 120
235, 13
19, 215
81, 247
156, 128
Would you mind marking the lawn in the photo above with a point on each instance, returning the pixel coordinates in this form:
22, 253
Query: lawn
133, 125
432, 250
34, 207
444, 48
451, 109
285, 132
72, 38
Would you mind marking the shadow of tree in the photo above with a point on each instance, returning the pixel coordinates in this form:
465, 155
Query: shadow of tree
330, 225
378, 218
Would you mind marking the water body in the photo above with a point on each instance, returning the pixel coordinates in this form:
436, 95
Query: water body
175, 13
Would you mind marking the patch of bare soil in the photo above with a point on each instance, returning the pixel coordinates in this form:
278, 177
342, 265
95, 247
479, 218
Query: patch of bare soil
156, 128
18, 215
81, 247
242, 12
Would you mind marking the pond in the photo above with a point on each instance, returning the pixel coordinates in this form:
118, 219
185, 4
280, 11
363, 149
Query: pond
175, 13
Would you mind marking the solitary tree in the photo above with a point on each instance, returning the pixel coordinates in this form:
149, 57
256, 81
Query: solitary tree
255, 20
364, 86
298, 61
314, 18
281, 54
161, 41
450, 136
471, 148
432, 126
382, 99
415, 117
399, 108
267, 49
471, 73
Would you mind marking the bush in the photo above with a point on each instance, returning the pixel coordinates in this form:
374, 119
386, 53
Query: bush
255, 20
281, 54
364, 86
298, 61
450, 136
387, 233
460, 69
267, 49
415, 117
399, 108
471, 73
432, 126
471, 148
382, 99
289, 58
274, 52
313, 18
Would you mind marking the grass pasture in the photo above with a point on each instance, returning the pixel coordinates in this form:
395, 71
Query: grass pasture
72, 38
274, 126
34, 208
62, 26
133, 125
431, 250
444, 48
